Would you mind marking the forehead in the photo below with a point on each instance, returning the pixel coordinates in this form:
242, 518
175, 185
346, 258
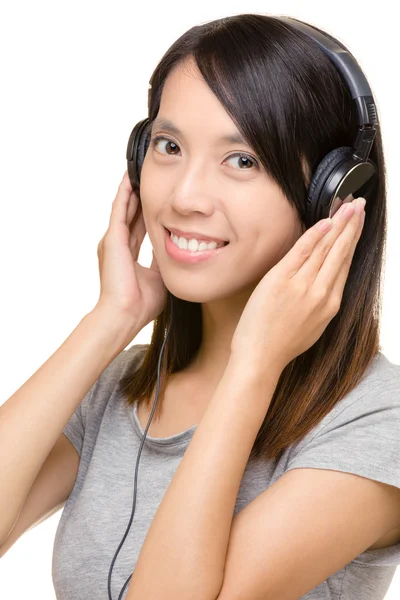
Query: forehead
185, 83
187, 103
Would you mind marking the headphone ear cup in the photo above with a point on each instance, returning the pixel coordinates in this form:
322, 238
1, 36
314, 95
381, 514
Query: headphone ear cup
327, 165
340, 177
137, 146
143, 144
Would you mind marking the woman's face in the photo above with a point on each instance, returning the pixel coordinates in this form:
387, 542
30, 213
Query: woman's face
195, 181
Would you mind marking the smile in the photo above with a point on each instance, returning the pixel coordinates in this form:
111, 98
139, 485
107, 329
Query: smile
186, 255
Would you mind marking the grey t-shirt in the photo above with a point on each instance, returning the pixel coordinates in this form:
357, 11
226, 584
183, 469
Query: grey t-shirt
360, 435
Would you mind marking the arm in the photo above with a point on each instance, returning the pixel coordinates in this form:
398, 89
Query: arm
183, 555
32, 419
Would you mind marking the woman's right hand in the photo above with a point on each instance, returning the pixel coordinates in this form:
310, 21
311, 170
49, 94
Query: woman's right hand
138, 292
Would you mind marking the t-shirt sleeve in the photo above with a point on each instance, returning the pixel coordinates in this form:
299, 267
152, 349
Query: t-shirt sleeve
74, 429
360, 437
93, 404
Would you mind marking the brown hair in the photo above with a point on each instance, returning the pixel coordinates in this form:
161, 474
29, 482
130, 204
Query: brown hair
289, 101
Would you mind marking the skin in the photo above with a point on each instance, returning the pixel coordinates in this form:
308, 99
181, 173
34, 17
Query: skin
199, 186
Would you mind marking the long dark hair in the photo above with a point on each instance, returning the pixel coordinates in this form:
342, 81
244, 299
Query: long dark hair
289, 102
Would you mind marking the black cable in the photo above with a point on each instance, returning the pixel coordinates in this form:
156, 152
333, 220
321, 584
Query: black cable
137, 464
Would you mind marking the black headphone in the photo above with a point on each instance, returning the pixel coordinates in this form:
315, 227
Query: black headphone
339, 177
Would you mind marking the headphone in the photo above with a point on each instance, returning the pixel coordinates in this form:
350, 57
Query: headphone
342, 175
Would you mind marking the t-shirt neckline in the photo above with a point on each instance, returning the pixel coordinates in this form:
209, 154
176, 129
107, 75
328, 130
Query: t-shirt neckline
178, 438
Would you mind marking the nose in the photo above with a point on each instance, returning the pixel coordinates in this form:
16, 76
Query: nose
193, 190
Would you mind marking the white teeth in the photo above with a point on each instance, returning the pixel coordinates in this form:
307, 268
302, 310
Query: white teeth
193, 245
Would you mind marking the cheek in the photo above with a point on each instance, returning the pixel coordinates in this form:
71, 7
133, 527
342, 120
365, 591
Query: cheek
152, 195
266, 246
144, 180
151, 176
152, 218
285, 240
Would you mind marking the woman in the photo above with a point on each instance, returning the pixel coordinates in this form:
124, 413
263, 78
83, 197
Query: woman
270, 467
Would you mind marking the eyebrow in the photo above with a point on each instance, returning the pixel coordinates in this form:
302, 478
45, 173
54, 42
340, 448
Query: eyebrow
233, 138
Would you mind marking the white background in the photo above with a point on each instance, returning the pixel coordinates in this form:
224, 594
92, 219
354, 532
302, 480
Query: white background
74, 81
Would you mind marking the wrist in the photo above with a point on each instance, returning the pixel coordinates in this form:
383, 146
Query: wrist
256, 367
120, 325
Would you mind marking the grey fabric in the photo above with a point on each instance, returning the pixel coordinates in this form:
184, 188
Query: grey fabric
361, 435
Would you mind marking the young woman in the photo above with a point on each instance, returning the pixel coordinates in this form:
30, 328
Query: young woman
269, 464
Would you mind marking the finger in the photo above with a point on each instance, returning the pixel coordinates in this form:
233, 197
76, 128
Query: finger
134, 206
126, 181
303, 248
334, 271
309, 271
120, 203
341, 279
137, 234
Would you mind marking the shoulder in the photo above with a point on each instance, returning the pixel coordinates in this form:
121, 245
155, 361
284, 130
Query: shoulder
126, 362
360, 434
381, 369
378, 388
132, 357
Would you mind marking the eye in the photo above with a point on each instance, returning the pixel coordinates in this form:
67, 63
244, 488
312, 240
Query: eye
245, 159
157, 138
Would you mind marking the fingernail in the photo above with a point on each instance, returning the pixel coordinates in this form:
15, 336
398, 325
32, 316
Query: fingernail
325, 225
360, 203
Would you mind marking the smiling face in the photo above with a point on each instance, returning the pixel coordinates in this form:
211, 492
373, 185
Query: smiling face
196, 181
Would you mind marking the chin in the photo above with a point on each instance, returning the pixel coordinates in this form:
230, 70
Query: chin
200, 296
202, 293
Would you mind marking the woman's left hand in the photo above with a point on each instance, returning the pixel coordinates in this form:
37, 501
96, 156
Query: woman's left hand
294, 302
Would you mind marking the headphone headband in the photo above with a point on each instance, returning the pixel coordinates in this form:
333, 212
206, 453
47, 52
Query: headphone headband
356, 81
